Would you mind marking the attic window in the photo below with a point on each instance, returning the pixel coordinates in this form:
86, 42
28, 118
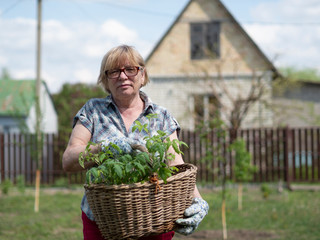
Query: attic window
205, 40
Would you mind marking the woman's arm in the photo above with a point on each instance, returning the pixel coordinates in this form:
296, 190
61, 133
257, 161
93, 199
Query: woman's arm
79, 139
198, 209
179, 160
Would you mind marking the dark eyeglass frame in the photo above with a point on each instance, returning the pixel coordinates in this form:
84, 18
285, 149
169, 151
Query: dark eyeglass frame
123, 70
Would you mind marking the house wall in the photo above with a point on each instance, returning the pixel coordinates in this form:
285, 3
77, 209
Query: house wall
299, 106
10, 124
49, 121
175, 94
175, 76
172, 56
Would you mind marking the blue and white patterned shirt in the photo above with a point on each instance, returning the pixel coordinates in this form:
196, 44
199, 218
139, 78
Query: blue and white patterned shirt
103, 119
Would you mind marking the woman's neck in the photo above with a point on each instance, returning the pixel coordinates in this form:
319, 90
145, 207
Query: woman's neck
131, 104
130, 110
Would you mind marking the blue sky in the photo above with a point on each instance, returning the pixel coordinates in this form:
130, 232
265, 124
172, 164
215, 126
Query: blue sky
77, 33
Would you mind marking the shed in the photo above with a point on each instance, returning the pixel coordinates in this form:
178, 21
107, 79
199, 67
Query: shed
18, 105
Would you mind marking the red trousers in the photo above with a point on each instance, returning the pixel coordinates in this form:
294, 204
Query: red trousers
92, 232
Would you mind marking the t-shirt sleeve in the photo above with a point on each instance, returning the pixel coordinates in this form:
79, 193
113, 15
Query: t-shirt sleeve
171, 124
84, 115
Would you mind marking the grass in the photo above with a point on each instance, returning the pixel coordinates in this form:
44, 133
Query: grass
289, 215
59, 216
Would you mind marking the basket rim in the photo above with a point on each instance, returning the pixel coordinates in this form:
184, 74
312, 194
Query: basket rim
191, 169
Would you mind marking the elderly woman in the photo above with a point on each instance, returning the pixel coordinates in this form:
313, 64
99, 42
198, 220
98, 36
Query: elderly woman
122, 74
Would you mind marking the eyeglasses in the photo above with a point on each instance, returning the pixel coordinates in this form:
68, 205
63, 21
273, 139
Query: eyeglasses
129, 71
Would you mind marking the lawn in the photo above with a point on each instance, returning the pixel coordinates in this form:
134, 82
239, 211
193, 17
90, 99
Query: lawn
59, 216
287, 215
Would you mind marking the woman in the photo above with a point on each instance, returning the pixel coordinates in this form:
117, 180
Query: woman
122, 74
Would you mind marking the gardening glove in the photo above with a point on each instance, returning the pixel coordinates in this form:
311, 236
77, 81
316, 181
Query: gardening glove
195, 213
122, 142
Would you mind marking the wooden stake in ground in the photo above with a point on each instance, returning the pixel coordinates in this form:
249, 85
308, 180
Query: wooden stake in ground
37, 192
224, 221
244, 169
240, 196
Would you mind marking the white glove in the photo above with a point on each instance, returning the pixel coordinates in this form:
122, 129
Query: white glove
195, 213
122, 143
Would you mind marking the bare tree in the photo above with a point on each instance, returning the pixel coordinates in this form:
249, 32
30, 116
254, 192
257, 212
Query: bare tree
236, 96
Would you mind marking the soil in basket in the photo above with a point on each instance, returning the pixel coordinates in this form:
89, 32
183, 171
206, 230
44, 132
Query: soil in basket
232, 235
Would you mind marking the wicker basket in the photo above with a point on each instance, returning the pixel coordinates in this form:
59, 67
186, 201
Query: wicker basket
135, 210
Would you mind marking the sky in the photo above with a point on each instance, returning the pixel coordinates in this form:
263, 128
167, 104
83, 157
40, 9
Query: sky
77, 33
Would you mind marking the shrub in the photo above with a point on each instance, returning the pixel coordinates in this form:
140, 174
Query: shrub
5, 186
266, 190
20, 183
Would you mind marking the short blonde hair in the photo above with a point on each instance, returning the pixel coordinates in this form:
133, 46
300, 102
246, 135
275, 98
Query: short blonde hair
116, 56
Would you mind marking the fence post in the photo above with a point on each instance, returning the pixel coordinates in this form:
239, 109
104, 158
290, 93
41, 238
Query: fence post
286, 157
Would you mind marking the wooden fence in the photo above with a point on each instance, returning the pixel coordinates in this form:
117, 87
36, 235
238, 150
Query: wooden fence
286, 154
18, 154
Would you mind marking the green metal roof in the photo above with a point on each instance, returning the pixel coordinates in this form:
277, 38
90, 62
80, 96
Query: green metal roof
16, 97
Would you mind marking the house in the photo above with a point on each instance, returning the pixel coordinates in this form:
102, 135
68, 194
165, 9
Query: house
206, 63
18, 104
298, 103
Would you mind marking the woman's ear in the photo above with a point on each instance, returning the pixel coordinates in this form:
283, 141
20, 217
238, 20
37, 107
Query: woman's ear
142, 76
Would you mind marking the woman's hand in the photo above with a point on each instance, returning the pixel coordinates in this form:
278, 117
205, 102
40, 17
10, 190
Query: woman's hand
121, 142
195, 213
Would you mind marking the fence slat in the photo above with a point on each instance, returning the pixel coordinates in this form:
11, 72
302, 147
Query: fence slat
312, 155
306, 153
300, 153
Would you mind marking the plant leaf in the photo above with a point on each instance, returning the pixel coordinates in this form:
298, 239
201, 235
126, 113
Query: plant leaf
118, 170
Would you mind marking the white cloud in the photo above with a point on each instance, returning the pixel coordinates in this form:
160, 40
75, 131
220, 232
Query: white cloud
17, 47
24, 73
54, 32
116, 30
287, 29
85, 75
3, 61
17, 33
287, 10
71, 52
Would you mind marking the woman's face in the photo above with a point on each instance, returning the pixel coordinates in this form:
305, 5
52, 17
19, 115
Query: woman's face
125, 86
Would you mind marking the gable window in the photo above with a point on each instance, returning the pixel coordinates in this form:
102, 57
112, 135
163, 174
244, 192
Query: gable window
205, 40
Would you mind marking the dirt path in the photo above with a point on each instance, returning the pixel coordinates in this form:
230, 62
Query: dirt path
232, 235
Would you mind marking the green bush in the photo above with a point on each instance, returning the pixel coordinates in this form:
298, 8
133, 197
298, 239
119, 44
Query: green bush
5, 186
266, 190
61, 182
20, 183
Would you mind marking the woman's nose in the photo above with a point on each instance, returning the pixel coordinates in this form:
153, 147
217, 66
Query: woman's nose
123, 75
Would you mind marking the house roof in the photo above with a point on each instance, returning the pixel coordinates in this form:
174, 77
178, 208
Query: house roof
16, 97
263, 56
167, 32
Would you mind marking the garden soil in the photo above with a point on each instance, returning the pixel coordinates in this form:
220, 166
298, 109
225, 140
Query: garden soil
232, 235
